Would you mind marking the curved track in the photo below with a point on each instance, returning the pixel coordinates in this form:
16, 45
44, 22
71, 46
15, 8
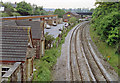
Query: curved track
84, 63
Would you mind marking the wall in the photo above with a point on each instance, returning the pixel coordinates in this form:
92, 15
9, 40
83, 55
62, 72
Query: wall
37, 46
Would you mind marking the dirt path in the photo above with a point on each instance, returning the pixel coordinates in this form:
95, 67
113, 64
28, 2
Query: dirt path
61, 69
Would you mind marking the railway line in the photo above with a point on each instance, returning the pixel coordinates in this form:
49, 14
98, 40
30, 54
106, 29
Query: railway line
84, 63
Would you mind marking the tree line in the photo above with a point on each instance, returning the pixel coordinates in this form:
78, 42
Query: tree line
22, 9
106, 22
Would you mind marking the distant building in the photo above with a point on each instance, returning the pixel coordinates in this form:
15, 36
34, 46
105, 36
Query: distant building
68, 15
49, 9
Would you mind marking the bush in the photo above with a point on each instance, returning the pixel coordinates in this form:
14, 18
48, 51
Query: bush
16, 14
48, 40
72, 20
5, 15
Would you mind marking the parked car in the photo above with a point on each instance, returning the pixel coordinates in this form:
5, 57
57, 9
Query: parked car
66, 24
48, 26
54, 24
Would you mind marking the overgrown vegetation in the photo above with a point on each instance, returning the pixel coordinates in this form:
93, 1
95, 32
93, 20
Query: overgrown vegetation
72, 20
49, 39
45, 64
106, 22
24, 8
105, 31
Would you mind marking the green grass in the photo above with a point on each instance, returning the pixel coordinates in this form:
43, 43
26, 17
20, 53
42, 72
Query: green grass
45, 64
106, 50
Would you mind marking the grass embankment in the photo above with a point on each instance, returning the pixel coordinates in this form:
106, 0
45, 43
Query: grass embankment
45, 64
105, 50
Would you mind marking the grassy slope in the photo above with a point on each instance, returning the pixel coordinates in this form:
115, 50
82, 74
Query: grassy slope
105, 50
44, 65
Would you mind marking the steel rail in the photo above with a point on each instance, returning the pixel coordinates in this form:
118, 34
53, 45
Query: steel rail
74, 33
96, 59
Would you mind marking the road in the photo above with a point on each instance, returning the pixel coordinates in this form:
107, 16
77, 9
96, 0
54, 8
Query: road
80, 61
54, 30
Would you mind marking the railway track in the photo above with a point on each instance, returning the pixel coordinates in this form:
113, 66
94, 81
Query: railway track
84, 63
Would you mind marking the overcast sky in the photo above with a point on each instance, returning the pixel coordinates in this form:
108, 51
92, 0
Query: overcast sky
59, 3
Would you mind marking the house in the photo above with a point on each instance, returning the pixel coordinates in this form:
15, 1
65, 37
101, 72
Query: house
37, 35
68, 15
16, 53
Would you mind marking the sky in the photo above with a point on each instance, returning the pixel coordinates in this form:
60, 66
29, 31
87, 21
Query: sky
59, 3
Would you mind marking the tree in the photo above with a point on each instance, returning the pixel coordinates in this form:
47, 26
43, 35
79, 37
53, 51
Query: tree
59, 12
24, 8
8, 8
72, 20
48, 40
106, 23
92, 10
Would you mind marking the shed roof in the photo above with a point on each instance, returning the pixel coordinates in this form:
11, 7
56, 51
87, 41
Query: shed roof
14, 42
36, 27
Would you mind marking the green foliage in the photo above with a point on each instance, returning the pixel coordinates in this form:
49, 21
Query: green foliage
92, 10
45, 64
106, 25
72, 20
43, 73
48, 40
16, 14
113, 37
59, 12
8, 9
24, 8
106, 21
39, 11
5, 15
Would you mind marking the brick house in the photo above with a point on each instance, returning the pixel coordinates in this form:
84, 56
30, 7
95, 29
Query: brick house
16, 45
37, 35
68, 15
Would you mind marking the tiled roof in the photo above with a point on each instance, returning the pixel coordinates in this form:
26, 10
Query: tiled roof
14, 42
36, 27
73, 13
8, 22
